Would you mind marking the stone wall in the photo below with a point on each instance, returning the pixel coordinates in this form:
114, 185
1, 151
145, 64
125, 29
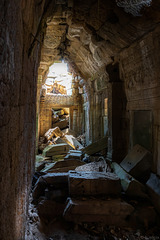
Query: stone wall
139, 67
90, 37
49, 101
18, 80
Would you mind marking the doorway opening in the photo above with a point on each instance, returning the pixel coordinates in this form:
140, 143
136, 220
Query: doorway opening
59, 79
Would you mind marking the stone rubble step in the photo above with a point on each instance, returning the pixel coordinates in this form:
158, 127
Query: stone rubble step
130, 185
93, 184
65, 165
109, 212
99, 166
138, 163
57, 149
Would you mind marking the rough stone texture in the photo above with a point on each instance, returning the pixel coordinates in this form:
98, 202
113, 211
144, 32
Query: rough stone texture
90, 35
18, 80
141, 76
49, 101
138, 163
93, 184
130, 185
109, 212
153, 185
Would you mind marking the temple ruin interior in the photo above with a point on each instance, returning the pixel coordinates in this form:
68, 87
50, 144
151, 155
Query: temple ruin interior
80, 143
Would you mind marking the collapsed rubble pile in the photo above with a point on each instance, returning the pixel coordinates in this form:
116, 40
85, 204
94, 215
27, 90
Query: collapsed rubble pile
60, 118
97, 192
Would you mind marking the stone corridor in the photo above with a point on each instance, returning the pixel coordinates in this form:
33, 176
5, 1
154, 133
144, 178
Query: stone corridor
112, 51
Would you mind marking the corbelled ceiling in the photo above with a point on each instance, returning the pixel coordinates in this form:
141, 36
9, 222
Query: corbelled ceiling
90, 34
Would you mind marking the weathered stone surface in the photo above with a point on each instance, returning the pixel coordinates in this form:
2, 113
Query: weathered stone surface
61, 124
130, 185
72, 141
96, 146
153, 186
96, 183
49, 210
62, 166
53, 132
68, 163
57, 149
99, 166
133, 42
74, 154
57, 180
109, 212
138, 163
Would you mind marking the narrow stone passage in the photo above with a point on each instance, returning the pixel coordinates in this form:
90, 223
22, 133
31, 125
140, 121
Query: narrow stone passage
95, 144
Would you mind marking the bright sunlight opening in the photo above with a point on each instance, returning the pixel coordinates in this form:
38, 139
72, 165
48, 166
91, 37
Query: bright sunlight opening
59, 80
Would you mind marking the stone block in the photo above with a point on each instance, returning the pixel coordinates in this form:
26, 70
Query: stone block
64, 166
74, 154
109, 212
153, 186
55, 180
53, 132
49, 210
68, 163
61, 140
99, 166
138, 163
61, 124
72, 141
96, 146
57, 149
93, 183
130, 185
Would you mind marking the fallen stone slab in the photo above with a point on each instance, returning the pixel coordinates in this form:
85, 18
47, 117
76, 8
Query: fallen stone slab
57, 149
99, 166
59, 140
109, 212
72, 141
48, 166
130, 185
93, 184
61, 124
62, 170
96, 146
74, 154
138, 163
58, 157
54, 180
153, 187
53, 132
63, 166
68, 163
